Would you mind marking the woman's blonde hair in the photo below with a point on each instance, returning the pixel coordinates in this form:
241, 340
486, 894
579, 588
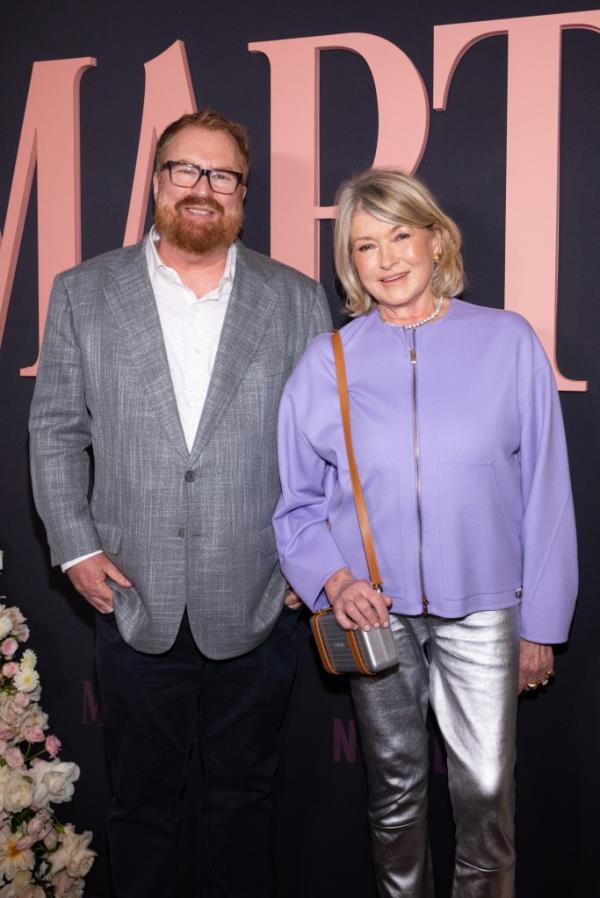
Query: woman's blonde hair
392, 196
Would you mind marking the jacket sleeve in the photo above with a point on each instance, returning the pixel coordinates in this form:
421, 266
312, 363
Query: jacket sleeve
320, 319
550, 579
309, 555
60, 434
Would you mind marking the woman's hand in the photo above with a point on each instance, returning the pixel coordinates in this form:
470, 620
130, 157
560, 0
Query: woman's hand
291, 600
536, 665
355, 604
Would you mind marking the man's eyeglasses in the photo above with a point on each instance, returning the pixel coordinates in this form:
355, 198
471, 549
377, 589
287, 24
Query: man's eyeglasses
186, 174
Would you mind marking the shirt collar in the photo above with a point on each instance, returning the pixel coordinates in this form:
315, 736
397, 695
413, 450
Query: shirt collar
157, 268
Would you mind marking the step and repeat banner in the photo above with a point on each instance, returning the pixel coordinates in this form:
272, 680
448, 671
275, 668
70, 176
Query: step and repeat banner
497, 106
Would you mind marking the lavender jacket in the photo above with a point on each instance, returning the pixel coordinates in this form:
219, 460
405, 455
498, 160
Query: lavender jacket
495, 498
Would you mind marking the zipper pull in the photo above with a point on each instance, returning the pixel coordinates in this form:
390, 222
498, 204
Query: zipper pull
413, 355
425, 603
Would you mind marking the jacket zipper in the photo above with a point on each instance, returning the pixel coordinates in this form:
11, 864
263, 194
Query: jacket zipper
412, 348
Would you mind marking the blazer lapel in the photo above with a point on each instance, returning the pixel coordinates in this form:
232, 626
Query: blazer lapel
131, 299
248, 311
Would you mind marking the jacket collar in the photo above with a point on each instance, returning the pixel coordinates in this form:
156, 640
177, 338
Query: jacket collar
132, 303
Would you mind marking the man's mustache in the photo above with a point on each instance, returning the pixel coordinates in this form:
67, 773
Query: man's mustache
206, 202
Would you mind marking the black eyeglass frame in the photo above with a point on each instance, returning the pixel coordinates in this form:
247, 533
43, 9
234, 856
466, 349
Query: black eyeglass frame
201, 172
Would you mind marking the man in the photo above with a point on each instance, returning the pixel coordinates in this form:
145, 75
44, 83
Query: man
168, 359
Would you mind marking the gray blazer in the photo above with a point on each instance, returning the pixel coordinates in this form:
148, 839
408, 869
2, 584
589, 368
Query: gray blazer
188, 529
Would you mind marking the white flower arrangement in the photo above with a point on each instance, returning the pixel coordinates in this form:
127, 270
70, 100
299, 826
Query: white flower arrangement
39, 856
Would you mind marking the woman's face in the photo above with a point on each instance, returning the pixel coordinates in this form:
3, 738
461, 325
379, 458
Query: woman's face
395, 264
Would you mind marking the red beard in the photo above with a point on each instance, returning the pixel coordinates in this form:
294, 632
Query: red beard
198, 237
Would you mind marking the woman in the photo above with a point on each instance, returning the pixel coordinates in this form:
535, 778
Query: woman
460, 446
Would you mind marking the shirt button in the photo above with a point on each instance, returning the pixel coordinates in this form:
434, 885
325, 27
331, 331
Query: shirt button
181, 532
519, 594
190, 476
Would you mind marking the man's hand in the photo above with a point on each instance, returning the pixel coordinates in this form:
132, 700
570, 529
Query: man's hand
291, 600
536, 665
89, 579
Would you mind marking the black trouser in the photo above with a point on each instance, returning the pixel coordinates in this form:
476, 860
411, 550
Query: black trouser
157, 705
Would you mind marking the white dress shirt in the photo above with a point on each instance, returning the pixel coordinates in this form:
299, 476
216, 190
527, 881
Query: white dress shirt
191, 326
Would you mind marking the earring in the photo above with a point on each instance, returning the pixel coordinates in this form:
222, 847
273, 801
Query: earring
436, 257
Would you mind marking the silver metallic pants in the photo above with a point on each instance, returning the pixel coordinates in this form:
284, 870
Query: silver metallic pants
467, 669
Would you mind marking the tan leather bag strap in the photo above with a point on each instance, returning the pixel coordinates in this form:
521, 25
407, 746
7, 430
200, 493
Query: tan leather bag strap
359, 499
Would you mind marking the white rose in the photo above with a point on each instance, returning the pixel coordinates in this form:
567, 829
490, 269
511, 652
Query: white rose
32, 718
73, 854
66, 886
4, 774
53, 782
10, 712
6, 625
17, 792
22, 632
16, 616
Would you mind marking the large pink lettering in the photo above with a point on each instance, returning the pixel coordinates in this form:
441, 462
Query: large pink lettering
532, 160
169, 94
50, 139
403, 127
93, 711
344, 741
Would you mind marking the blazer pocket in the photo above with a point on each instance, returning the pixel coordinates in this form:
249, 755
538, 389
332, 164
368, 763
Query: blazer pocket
266, 541
110, 537
264, 369
480, 544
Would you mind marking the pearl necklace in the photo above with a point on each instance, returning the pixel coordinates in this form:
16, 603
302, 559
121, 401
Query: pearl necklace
412, 327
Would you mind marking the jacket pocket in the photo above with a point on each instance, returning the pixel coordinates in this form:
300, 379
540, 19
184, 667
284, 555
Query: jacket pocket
479, 542
110, 537
265, 369
381, 488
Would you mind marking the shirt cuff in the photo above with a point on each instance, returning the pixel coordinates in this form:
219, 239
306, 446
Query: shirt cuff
65, 567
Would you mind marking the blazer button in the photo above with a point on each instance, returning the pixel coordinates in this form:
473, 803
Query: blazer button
190, 476
181, 532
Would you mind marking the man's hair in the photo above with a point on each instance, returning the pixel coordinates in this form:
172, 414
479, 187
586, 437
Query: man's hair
212, 121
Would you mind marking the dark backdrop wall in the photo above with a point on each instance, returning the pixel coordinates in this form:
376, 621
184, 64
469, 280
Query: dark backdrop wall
321, 844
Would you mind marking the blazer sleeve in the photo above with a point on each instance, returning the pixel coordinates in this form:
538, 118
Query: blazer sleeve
60, 435
308, 553
320, 319
550, 577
